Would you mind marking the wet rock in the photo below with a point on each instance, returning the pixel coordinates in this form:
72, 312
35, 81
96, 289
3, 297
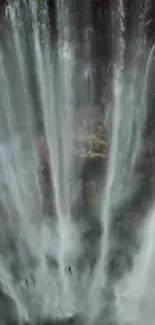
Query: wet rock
8, 310
65, 321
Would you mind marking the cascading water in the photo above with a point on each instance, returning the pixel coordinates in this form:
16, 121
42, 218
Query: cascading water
39, 253
57, 117
37, 240
120, 240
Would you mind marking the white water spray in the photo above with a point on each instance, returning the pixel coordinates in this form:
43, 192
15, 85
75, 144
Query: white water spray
38, 252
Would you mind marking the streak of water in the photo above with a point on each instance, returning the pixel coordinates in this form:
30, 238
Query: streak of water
128, 120
37, 239
99, 276
134, 287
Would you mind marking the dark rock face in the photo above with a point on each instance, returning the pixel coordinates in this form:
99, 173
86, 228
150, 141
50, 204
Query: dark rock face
66, 321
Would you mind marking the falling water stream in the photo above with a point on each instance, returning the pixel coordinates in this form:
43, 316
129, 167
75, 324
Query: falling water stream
40, 252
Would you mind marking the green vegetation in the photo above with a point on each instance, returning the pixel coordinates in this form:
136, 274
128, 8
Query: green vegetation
40, 2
